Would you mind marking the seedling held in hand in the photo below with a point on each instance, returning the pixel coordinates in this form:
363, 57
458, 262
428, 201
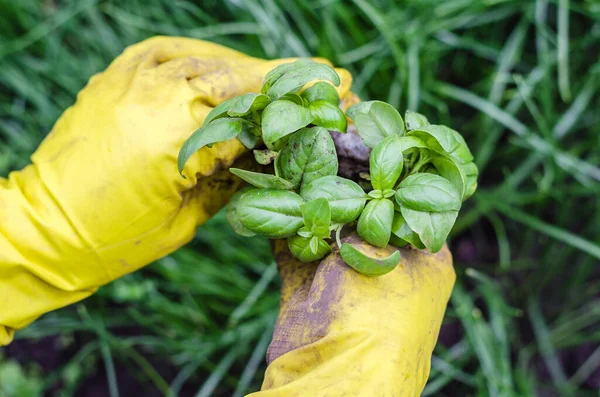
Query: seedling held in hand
420, 173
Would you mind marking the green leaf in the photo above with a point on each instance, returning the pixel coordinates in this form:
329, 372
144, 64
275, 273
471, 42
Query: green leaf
279, 71
292, 80
401, 230
367, 265
397, 241
281, 118
304, 232
361, 107
260, 180
415, 120
265, 157
321, 91
244, 104
447, 168
432, 227
386, 163
376, 120
444, 140
301, 248
310, 154
346, 198
471, 173
387, 193
314, 244
375, 222
217, 131
219, 111
271, 213
249, 135
328, 115
292, 97
410, 142
375, 194
317, 217
232, 215
428, 192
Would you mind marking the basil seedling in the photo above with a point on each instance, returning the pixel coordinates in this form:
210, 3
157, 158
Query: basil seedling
420, 173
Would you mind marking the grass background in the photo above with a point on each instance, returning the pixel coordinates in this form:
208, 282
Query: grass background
520, 80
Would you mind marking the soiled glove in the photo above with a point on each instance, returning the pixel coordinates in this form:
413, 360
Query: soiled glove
340, 333
102, 196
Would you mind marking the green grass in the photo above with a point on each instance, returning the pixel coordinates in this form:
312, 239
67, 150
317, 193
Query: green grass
520, 79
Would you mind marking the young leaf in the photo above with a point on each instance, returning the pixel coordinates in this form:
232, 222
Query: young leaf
387, 193
327, 115
444, 140
346, 198
294, 79
271, 213
432, 227
309, 155
386, 163
429, 193
260, 180
233, 217
301, 248
279, 71
317, 217
321, 91
281, 118
304, 232
376, 120
265, 157
219, 111
375, 222
246, 103
375, 194
401, 230
366, 265
314, 244
414, 120
217, 131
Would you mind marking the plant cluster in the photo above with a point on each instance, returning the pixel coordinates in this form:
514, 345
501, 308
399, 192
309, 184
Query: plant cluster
419, 173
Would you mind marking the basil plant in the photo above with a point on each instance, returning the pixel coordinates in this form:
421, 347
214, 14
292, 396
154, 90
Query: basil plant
420, 173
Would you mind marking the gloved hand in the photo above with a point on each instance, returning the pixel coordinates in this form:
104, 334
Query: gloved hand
340, 333
102, 196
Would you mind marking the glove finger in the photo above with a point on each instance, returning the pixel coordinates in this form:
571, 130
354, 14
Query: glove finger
193, 66
338, 298
154, 51
248, 76
214, 191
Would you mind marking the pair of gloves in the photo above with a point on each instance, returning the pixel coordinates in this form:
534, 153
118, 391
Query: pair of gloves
103, 198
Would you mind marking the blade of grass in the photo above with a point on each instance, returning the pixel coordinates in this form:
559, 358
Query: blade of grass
579, 105
258, 355
253, 296
562, 50
218, 373
546, 349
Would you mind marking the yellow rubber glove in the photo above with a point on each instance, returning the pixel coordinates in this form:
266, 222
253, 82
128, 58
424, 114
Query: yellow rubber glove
340, 333
102, 196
